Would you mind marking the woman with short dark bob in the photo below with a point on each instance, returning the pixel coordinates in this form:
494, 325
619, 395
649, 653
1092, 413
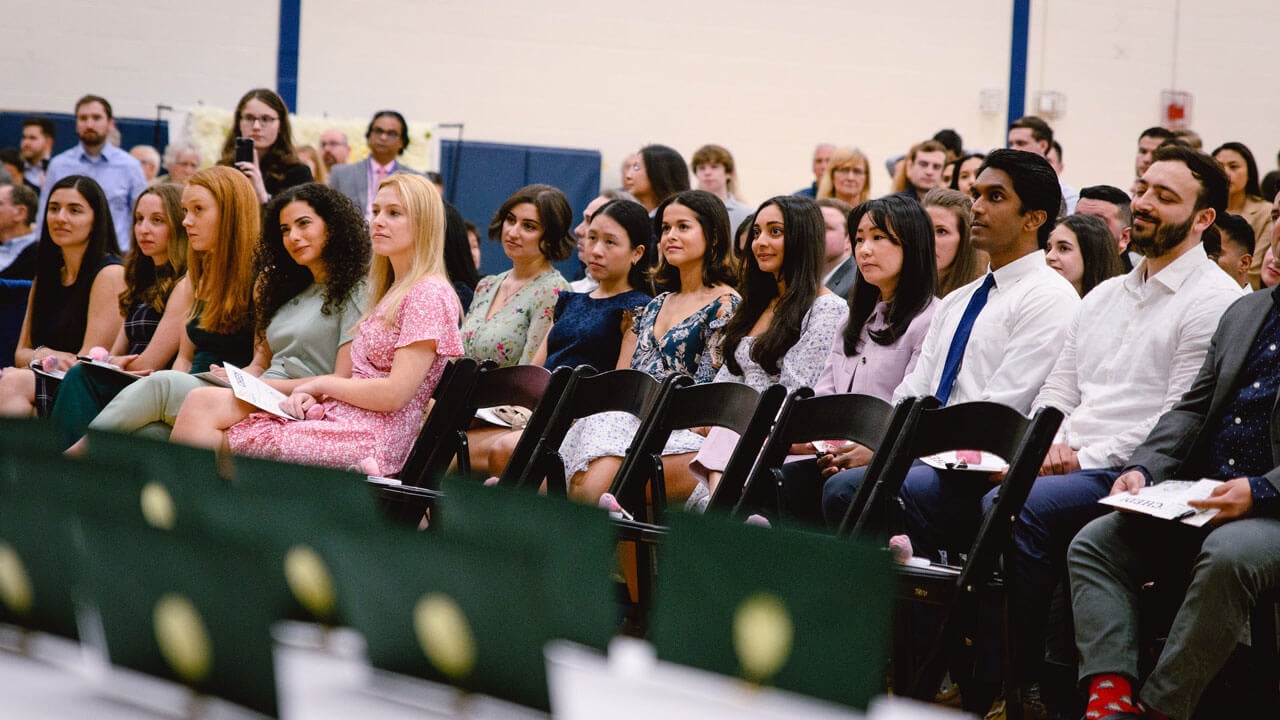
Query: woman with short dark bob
890, 308
787, 321
262, 116
589, 327
511, 311
654, 174
1083, 250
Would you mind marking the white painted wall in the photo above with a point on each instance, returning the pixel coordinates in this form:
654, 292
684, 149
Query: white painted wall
135, 53
767, 79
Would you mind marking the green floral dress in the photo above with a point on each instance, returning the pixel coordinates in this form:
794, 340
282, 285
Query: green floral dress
512, 335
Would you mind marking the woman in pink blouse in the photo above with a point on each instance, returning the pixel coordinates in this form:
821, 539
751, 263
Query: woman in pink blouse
890, 308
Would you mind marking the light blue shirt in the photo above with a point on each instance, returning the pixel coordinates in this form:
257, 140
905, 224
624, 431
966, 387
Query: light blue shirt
10, 251
119, 174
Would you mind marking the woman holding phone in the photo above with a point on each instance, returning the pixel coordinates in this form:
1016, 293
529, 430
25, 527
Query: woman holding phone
260, 145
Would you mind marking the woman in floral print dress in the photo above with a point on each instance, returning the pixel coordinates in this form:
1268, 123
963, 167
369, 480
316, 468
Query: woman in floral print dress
679, 331
371, 418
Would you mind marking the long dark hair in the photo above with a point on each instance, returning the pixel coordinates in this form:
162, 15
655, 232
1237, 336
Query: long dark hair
458, 262
906, 222
346, 253
281, 153
1251, 188
50, 294
1097, 249
665, 169
803, 250
143, 280
714, 221
634, 220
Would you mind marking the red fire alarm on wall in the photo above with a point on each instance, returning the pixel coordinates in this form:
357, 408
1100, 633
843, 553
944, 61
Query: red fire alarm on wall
1176, 109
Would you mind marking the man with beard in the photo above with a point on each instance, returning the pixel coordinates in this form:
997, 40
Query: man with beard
1134, 346
117, 172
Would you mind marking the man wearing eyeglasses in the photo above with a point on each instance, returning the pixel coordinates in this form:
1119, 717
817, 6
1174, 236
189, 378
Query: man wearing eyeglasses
388, 137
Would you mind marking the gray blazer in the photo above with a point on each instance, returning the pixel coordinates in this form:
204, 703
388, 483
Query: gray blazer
841, 281
1177, 446
353, 180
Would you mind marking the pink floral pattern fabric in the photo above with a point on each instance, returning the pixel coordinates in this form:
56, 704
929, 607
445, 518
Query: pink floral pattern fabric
513, 334
348, 434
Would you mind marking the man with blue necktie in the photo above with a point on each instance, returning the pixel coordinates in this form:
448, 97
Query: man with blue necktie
995, 339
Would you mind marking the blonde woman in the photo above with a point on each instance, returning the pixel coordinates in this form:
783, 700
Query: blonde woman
847, 177
371, 417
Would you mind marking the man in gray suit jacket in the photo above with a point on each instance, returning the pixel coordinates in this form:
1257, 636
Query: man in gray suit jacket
1227, 427
837, 267
388, 138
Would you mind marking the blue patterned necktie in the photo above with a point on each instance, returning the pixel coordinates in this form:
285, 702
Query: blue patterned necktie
951, 368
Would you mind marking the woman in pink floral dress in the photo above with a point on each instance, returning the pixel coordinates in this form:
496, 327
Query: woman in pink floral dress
371, 418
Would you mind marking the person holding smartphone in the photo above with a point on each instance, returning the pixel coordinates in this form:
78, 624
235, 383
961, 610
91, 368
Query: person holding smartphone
261, 145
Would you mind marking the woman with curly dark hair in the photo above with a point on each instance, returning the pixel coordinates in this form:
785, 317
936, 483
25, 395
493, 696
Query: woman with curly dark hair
310, 266
262, 116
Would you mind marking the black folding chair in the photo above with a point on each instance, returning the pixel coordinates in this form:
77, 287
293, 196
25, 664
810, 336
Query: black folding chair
729, 405
438, 440
990, 428
520, 385
804, 418
537, 456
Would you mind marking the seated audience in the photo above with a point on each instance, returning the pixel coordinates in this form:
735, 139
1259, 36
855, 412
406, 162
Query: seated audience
310, 268
966, 170
922, 170
1218, 430
223, 228
149, 158
459, 262
1112, 206
307, 155
1082, 250
407, 336
890, 308
154, 312
679, 331
73, 301
785, 324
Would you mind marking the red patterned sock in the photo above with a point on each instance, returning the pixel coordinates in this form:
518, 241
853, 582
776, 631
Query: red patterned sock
1109, 694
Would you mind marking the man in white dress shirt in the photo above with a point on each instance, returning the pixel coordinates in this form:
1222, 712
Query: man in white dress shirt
1134, 346
1017, 333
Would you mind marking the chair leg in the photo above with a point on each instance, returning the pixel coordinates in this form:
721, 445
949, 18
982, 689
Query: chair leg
1012, 688
464, 454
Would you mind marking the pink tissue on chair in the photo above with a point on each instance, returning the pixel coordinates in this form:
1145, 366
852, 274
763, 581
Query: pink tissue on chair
49, 363
610, 503
99, 353
759, 521
315, 412
970, 457
491, 481
900, 548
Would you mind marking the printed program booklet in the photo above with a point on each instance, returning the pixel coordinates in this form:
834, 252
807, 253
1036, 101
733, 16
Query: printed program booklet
255, 392
1168, 500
